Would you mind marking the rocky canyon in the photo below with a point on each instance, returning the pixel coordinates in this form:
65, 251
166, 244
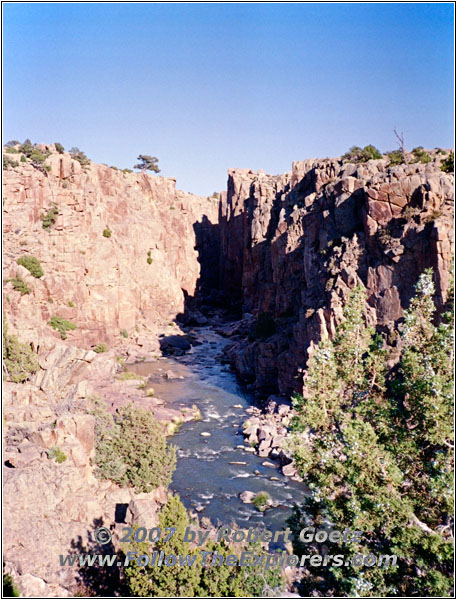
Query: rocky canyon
130, 262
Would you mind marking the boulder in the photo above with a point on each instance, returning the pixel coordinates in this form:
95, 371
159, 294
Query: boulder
289, 470
247, 497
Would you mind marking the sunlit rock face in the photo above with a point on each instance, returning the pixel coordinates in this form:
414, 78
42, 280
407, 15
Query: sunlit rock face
131, 280
122, 258
127, 253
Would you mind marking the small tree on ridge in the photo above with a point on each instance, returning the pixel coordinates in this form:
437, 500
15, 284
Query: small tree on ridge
147, 163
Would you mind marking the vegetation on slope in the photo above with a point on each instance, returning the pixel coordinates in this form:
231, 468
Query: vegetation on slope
19, 360
448, 164
61, 325
32, 265
198, 580
131, 449
378, 454
356, 154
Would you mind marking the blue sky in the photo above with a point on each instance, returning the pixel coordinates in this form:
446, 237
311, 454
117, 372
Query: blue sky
205, 87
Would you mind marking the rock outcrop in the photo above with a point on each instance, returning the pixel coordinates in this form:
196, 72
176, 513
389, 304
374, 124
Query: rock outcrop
126, 253
294, 245
123, 254
53, 502
121, 259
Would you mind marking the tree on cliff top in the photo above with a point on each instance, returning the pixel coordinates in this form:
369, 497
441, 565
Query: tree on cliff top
147, 163
356, 154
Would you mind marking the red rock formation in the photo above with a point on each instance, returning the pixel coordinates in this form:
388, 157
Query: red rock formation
102, 284
137, 279
293, 245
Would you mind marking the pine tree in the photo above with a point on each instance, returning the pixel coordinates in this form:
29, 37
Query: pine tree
147, 163
380, 459
165, 581
199, 580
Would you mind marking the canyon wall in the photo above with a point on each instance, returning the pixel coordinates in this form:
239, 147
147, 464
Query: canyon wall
128, 254
294, 245
122, 289
133, 280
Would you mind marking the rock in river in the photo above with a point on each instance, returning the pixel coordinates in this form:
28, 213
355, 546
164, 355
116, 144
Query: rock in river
247, 497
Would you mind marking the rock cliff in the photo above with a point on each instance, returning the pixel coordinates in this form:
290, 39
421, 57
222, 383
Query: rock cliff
293, 245
122, 254
131, 278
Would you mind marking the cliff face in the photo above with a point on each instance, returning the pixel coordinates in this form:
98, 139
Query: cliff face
102, 284
294, 245
290, 246
136, 280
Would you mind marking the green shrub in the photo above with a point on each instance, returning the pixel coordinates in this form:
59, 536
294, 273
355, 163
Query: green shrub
10, 590
19, 361
395, 157
61, 325
420, 155
101, 348
9, 162
20, 285
71, 304
448, 164
361, 155
131, 449
27, 148
127, 375
127, 171
124, 333
202, 579
56, 454
261, 501
107, 232
175, 581
60, 149
23, 159
149, 258
32, 264
37, 157
435, 214
12, 150
50, 217
78, 155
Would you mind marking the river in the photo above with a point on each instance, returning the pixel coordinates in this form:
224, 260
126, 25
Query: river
204, 478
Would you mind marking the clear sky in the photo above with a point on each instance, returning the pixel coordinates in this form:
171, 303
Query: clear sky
205, 87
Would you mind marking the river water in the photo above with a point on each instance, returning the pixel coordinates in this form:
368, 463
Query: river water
204, 478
